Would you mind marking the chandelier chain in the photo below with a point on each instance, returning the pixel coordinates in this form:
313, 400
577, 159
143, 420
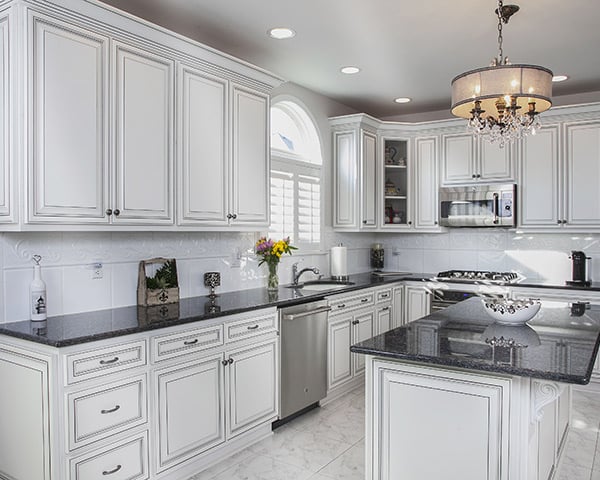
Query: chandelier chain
500, 51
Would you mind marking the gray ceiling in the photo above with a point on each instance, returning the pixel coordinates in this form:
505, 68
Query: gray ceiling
404, 48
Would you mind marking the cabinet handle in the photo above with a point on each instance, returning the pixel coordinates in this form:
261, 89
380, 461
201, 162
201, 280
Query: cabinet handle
409, 222
191, 342
229, 216
564, 221
108, 211
114, 470
234, 216
230, 361
253, 328
385, 308
364, 222
110, 410
355, 322
478, 175
341, 305
435, 222
225, 362
559, 221
108, 362
473, 176
364, 300
117, 212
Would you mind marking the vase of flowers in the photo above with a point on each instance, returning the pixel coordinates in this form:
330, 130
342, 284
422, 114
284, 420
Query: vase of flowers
270, 252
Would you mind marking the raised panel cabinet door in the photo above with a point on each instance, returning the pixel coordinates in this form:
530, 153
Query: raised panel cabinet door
190, 402
583, 173
369, 180
495, 162
250, 158
143, 98
417, 303
7, 204
253, 387
203, 154
540, 180
458, 159
345, 178
426, 183
398, 307
339, 364
68, 123
24, 418
547, 441
383, 320
363, 327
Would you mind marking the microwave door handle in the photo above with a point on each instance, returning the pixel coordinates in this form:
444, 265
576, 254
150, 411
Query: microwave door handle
495, 207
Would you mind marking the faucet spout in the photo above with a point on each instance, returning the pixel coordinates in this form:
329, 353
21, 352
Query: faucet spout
297, 274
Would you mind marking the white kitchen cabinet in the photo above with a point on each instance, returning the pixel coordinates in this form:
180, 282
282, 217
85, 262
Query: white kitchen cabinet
426, 204
362, 329
466, 159
417, 303
383, 319
68, 105
354, 173
395, 184
252, 385
203, 159
190, 399
339, 339
7, 171
250, 167
398, 306
144, 127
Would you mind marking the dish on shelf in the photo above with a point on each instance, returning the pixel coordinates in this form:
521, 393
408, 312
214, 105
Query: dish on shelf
511, 312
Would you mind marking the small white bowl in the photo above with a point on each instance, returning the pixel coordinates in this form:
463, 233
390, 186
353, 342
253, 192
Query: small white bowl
511, 312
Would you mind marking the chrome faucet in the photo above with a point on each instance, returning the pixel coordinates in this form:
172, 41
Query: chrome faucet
296, 274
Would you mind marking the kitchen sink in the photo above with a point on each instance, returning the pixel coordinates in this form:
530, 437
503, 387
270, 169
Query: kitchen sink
322, 285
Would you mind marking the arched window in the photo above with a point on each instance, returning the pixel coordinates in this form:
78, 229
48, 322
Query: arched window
295, 176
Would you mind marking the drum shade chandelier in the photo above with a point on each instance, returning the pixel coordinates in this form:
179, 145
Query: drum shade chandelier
502, 102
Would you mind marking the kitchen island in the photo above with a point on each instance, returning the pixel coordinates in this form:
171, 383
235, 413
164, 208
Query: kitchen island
454, 395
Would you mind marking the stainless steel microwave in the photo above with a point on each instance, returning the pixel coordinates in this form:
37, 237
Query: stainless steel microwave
478, 206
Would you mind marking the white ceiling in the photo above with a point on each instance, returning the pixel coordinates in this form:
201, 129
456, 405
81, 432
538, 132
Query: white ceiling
404, 48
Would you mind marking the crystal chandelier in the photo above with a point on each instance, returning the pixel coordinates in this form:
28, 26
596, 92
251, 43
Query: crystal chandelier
502, 101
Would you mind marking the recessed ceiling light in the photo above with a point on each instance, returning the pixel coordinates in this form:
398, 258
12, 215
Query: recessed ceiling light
402, 100
281, 33
349, 70
559, 78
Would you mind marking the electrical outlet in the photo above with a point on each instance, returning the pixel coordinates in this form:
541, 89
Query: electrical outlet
97, 271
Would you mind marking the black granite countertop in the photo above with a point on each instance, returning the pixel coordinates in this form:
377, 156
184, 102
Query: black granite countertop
64, 330
559, 344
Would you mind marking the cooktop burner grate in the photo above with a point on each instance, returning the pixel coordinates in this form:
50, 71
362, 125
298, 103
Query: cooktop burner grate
475, 275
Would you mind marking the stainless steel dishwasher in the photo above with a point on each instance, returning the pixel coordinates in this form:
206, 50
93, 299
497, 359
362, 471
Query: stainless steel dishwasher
303, 373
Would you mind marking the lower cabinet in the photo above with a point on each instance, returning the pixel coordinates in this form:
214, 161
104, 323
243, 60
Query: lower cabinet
417, 303
362, 329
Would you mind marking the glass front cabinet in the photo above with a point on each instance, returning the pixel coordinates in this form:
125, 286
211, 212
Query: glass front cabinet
395, 194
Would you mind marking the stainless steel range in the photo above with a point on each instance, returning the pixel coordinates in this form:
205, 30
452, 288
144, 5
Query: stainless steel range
480, 276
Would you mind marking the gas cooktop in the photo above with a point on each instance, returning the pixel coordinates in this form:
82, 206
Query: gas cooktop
480, 276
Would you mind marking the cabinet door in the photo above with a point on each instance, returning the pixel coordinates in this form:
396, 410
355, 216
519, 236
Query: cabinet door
68, 115
143, 173
426, 183
189, 398
398, 307
250, 161
253, 387
547, 441
458, 158
417, 303
583, 173
203, 174
540, 185
339, 366
362, 329
345, 178
495, 163
383, 320
7, 203
369, 180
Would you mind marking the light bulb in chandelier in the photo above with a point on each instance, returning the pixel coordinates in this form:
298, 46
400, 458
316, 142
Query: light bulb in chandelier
502, 102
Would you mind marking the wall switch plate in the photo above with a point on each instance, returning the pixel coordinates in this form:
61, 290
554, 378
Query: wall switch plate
97, 271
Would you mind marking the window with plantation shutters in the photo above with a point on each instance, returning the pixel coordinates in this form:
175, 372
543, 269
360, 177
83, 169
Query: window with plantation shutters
295, 176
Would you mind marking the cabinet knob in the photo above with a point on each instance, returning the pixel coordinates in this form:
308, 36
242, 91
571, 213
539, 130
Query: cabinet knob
230, 361
234, 216
435, 222
564, 221
409, 222
473, 176
229, 216
108, 211
559, 221
225, 362
355, 322
478, 175
117, 212
365, 222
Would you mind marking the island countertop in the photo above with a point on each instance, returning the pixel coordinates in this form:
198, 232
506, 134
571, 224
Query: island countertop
559, 344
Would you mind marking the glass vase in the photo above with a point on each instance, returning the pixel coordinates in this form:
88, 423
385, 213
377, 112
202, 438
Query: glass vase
272, 279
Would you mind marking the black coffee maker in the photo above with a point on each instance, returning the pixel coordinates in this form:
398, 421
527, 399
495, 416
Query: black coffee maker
579, 261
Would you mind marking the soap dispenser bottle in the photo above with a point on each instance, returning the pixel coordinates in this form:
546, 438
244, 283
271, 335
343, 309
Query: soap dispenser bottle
37, 293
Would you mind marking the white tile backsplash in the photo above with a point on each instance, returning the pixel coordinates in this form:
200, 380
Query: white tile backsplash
68, 256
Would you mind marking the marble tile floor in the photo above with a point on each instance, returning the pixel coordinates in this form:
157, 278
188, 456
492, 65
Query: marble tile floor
328, 444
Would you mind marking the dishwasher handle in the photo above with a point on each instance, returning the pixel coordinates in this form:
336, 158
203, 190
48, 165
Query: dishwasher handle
294, 316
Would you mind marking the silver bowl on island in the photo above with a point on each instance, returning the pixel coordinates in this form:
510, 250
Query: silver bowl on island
511, 311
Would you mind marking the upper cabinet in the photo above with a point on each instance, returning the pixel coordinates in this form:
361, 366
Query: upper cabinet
128, 125
395, 185
426, 202
466, 159
354, 173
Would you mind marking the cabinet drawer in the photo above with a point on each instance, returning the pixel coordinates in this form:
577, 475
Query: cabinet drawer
106, 410
349, 303
85, 365
183, 343
250, 327
127, 460
384, 295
